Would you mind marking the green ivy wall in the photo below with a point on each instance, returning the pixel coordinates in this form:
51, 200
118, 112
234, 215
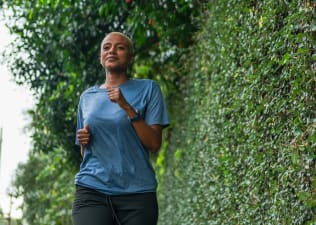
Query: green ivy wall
242, 142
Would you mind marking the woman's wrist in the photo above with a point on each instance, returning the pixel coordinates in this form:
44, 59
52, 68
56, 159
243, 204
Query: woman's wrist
130, 111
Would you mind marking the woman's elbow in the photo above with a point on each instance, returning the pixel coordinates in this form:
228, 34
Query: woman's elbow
155, 146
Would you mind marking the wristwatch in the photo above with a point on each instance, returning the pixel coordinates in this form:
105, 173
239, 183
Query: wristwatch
136, 117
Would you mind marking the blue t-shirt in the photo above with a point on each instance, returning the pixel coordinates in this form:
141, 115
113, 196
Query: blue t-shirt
115, 161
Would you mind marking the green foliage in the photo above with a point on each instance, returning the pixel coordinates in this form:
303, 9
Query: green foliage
242, 148
2, 218
46, 184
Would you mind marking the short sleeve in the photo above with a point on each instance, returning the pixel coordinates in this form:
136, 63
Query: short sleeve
156, 110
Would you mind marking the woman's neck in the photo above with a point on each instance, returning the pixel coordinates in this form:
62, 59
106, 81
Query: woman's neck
115, 79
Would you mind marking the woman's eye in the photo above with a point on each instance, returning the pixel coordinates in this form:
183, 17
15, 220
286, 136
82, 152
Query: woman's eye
106, 47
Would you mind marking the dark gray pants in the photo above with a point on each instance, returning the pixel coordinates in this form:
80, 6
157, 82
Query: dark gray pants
91, 207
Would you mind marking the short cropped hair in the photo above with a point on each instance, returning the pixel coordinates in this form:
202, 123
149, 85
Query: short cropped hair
129, 40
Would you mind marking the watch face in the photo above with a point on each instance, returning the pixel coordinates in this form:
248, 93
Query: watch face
136, 117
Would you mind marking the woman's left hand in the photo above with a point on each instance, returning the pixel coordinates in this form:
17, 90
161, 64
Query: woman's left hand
150, 136
115, 95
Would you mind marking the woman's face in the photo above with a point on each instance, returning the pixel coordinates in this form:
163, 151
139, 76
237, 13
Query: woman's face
115, 52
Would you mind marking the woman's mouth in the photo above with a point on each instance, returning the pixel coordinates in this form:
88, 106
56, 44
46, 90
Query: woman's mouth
111, 58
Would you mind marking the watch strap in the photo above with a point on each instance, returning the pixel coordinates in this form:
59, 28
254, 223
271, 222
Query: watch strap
136, 117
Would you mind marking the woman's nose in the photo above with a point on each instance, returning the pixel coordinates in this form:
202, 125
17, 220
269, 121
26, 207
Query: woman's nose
112, 50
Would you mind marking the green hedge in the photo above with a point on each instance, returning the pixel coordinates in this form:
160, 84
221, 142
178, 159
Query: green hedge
242, 143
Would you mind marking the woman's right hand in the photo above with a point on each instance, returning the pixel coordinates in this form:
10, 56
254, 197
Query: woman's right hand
83, 136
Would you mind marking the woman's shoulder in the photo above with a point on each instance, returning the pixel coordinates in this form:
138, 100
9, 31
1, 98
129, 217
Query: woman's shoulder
143, 81
89, 90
